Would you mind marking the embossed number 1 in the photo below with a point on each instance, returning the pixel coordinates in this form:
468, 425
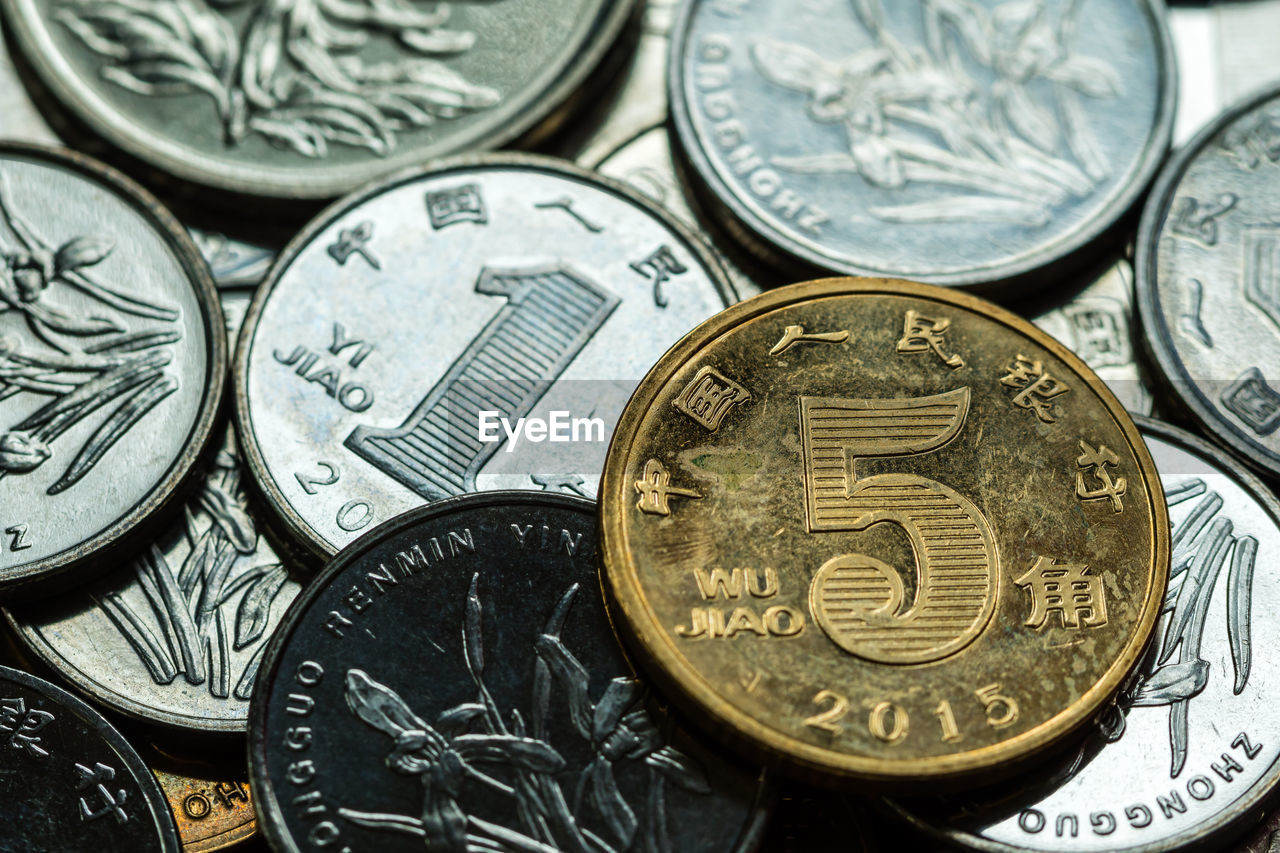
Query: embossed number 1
856, 598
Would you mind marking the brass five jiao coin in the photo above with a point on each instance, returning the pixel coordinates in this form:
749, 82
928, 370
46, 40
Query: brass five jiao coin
877, 530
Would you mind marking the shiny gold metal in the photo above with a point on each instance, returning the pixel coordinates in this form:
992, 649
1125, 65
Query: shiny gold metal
877, 530
212, 808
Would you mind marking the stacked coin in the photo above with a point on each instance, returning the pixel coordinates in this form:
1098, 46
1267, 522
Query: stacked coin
582, 426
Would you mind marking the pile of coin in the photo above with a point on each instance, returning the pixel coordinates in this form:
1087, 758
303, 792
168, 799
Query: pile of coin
585, 425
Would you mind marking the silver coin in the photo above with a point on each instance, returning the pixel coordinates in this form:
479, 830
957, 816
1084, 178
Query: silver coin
952, 143
1096, 323
19, 117
310, 98
1225, 51
640, 101
69, 781
646, 163
513, 286
1193, 745
176, 636
233, 263
112, 360
1207, 281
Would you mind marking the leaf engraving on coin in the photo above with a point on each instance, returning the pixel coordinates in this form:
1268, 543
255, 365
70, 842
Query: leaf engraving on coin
83, 363
1202, 544
1014, 157
472, 740
193, 606
292, 74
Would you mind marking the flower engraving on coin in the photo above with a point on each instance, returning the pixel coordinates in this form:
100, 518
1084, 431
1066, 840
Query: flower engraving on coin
184, 629
292, 74
1202, 544
82, 362
476, 743
922, 116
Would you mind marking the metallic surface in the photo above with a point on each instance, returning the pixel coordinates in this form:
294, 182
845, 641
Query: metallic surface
924, 427
311, 98
512, 284
1208, 292
645, 162
1096, 323
959, 144
452, 680
1193, 747
69, 781
177, 635
212, 808
112, 359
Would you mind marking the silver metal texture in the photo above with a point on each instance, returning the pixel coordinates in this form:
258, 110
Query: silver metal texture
1208, 278
311, 98
176, 636
1191, 748
112, 360
233, 263
517, 285
964, 144
645, 162
69, 781
1097, 324
452, 680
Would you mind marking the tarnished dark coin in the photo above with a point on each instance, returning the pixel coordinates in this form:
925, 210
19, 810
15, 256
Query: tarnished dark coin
1191, 749
69, 781
474, 326
176, 636
112, 360
451, 681
873, 530
1208, 280
1097, 324
962, 144
311, 98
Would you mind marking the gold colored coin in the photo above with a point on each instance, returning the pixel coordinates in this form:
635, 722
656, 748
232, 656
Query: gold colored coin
213, 808
882, 531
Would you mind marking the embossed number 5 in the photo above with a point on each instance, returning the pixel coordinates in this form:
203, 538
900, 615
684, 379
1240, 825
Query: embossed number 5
856, 598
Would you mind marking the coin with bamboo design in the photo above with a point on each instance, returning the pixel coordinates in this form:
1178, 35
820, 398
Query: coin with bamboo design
309, 99
451, 682
1190, 750
877, 530
112, 362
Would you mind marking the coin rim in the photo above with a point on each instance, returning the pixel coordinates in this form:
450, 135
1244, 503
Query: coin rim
36, 43
1157, 336
1244, 812
165, 490
687, 686
293, 522
768, 238
271, 819
157, 803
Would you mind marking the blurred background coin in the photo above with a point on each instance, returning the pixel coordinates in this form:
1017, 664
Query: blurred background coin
1208, 282
112, 360
69, 780
311, 98
840, 518
962, 144
393, 353
1096, 323
1192, 747
452, 680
